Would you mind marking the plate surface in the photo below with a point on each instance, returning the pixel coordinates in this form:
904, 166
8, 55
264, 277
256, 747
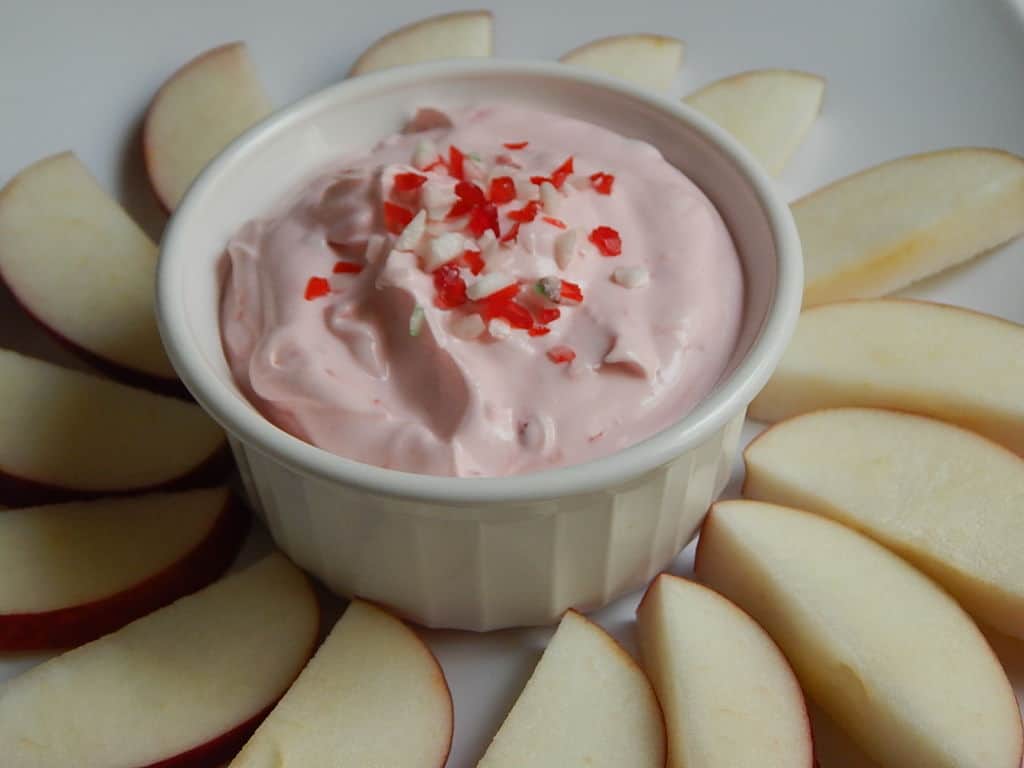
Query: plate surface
902, 77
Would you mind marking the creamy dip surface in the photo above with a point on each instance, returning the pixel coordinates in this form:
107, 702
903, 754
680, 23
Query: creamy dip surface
493, 291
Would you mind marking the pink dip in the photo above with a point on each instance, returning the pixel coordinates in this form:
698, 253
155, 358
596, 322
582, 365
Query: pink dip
348, 336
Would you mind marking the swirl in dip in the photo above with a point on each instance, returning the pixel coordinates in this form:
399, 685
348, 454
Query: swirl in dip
496, 290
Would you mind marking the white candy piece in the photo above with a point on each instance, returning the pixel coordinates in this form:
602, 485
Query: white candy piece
525, 189
499, 329
426, 154
550, 199
443, 249
566, 245
484, 286
468, 327
438, 199
410, 238
631, 277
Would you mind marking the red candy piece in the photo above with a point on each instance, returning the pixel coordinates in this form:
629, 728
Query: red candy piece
514, 313
571, 292
506, 294
515, 144
503, 190
539, 330
406, 182
470, 192
317, 287
484, 217
474, 261
396, 218
456, 162
436, 164
512, 235
506, 160
460, 208
347, 267
607, 241
525, 214
547, 315
561, 173
538, 180
450, 287
602, 182
561, 354
555, 222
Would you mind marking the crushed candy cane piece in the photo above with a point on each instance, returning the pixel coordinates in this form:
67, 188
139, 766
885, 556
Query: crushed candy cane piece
602, 182
347, 268
550, 200
450, 287
607, 241
489, 284
456, 162
468, 327
555, 222
444, 249
416, 320
515, 144
566, 246
484, 218
631, 277
474, 261
561, 354
396, 217
539, 330
410, 238
525, 214
407, 182
317, 287
499, 329
425, 155
548, 315
562, 172
503, 190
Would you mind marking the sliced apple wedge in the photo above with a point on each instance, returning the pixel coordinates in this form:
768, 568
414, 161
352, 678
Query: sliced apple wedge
587, 703
83, 269
66, 434
74, 572
373, 695
182, 687
887, 654
728, 694
650, 61
769, 111
461, 35
884, 228
199, 110
944, 498
951, 363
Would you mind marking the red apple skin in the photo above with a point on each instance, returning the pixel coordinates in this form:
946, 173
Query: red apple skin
116, 371
22, 492
75, 625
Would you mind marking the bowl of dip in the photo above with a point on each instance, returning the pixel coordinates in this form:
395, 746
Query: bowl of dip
482, 334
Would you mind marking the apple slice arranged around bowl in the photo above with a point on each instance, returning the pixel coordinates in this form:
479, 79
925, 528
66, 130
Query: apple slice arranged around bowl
74, 572
180, 688
83, 269
587, 703
459, 35
884, 228
729, 696
650, 61
199, 110
888, 655
951, 363
66, 434
946, 499
374, 695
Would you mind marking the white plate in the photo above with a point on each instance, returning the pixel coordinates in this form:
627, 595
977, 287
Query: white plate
902, 77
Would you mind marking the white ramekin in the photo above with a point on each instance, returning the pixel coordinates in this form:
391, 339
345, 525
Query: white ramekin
479, 553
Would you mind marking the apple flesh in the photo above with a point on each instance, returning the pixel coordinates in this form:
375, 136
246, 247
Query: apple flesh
769, 111
195, 114
953, 364
180, 688
373, 695
74, 572
650, 61
729, 696
884, 228
587, 703
80, 267
66, 434
888, 655
944, 498
461, 35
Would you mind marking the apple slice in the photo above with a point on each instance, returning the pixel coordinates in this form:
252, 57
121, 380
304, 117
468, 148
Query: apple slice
887, 654
460, 35
66, 434
74, 572
77, 264
728, 694
768, 110
950, 363
880, 230
201, 108
650, 61
180, 688
373, 695
944, 498
587, 703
